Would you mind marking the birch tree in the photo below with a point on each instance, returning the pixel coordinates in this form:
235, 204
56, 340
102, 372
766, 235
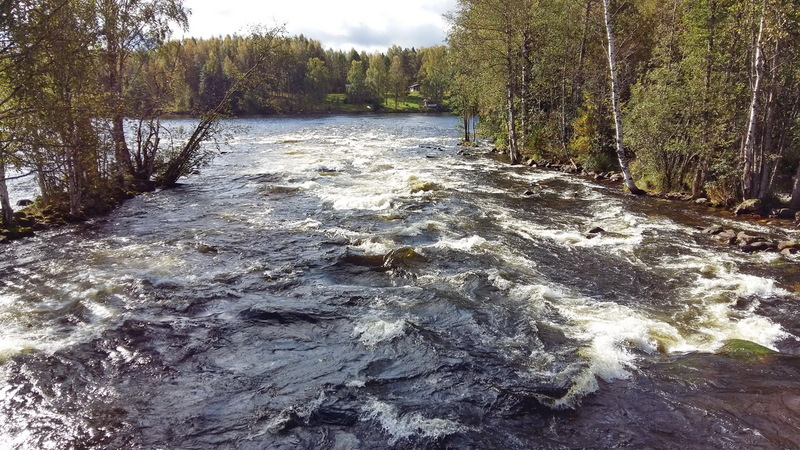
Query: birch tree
612, 64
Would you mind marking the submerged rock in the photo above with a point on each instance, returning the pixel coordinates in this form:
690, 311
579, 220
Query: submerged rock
205, 248
403, 256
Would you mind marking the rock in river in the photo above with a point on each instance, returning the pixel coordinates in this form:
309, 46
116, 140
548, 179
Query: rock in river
751, 206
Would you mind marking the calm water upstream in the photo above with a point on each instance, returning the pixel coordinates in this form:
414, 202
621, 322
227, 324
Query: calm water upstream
354, 282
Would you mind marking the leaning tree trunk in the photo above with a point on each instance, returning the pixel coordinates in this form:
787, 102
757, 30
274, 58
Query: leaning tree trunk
612, 64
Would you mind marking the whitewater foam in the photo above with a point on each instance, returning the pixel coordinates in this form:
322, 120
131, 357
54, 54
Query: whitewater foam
372, 331
403, 426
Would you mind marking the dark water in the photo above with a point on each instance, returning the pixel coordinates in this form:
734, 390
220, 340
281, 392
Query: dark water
354, 282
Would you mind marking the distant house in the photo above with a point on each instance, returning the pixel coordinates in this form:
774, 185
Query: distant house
430, 104
414, 87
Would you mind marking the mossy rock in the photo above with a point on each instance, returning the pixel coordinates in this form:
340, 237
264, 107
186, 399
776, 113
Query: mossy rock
16, 233
423, 186
740, 348
749, 206
21, 219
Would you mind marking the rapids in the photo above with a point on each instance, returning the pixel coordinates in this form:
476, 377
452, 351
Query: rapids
360, 282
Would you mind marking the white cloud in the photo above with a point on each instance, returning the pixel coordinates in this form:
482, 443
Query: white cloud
363, 24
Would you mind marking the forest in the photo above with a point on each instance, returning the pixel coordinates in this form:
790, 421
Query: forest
681, 96
705, 91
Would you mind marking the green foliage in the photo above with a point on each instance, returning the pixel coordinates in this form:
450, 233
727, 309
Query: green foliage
435, 73
357, 89
537, 73
398, 81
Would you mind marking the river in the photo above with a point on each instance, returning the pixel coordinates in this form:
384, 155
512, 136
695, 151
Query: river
362, 282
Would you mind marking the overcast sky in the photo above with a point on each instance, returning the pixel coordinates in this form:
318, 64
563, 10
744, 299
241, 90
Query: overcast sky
339, 24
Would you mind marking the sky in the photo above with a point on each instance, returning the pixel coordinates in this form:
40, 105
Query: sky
367, 25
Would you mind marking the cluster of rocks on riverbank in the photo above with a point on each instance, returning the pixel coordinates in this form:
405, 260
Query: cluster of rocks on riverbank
751, 243
753, 208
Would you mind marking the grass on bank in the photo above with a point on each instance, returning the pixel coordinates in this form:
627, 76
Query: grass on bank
413, 102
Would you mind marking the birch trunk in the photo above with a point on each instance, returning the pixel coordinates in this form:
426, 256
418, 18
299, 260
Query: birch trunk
5, 202
513, 150
612, 64
749, 173
796, 191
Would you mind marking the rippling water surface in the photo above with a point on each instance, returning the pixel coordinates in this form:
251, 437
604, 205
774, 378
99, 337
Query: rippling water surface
355, 282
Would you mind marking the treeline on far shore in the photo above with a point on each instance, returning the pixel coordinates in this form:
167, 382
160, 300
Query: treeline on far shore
300, 76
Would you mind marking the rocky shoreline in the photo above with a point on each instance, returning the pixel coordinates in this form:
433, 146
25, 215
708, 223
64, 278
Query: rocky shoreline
747, 210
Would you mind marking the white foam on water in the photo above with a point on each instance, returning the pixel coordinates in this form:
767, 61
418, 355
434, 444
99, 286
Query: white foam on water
364, 201
613, 335
716, 319
20, 330
467, 244
403, 426
372, 330
374, 246
305, 225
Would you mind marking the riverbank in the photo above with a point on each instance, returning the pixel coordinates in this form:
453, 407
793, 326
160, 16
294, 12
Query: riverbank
784, 239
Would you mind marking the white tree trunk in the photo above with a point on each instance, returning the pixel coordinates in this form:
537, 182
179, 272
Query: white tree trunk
749, 174
7, 213
796, 191
612, 64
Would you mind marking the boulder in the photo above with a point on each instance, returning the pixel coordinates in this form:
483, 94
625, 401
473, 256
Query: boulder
528, 193
740, 348
714, 230
792, 246
596, 230
23, 220
24, 202
759, 246
701, 201
747, 239
751, 206
726, 237
785, 213
423, 186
